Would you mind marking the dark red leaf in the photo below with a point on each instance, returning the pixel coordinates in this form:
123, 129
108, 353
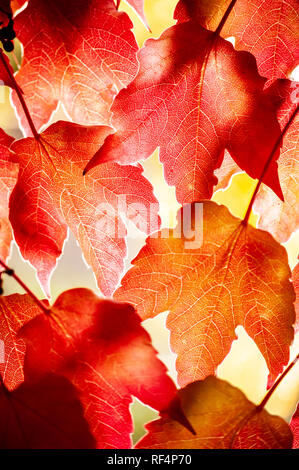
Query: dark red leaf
44, 415
8, 179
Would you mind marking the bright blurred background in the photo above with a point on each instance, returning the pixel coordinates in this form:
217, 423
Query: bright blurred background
244, 366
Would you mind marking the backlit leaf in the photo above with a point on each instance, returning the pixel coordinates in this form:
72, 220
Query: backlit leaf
238, 276
8, 179
102, 348
53, 194
223, 418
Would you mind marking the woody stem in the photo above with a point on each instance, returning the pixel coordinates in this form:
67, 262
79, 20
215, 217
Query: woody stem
10, 272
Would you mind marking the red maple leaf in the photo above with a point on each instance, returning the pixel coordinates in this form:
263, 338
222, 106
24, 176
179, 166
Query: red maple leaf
53, 194
280, 218
5, 11
102, 348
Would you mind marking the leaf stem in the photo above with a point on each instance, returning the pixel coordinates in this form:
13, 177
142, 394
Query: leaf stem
20, 96
10, 272
275, 385
268, 162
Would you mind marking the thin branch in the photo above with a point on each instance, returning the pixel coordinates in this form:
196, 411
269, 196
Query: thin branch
268, 162
275, 385
20, 96
10, 272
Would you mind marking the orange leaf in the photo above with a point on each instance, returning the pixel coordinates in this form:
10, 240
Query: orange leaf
17, 4
238, 276
222, 417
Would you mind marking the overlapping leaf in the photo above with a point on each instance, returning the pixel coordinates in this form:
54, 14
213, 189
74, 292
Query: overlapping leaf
51, 194
267, 29
138, 6
194, 104
44, 415
77, 52
17, 4
281, 219
15, 311
223, 418
8, 179
294, 424
102, 348
238, 276
5, 11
